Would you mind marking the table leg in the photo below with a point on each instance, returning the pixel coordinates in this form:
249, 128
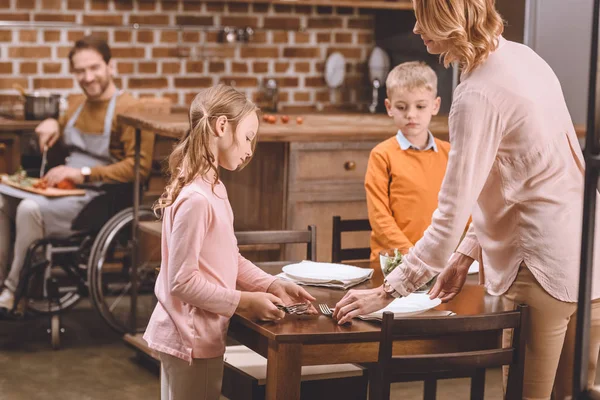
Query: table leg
283, 371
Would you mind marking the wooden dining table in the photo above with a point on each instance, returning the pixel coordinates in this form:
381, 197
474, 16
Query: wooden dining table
299, 340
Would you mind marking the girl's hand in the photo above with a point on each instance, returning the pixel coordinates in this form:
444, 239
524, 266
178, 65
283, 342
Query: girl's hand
290, 293
452, 279
261, 306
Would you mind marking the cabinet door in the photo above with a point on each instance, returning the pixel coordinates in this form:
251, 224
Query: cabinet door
10, 156
319, 210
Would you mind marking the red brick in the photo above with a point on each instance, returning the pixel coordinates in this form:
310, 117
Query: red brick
52, 68
192, 5
28, 68
260, 8
306, 10
169, 5
282, 8
350, 52
189, 97
103, 19
193, 37
122, 36
148, 83
325, 23
345, 10
213, 37
52, 36
147, 5
301, 37
260, 67
323, 37
302, 96
259, 52
216, 66
51, 4
302, 52
215, 6
302, 67
240, 81
239, 67
145, 36
147, 67
287, 82
100, 34
149, 19
170, 52
4, 3
174, 97
125, 68
238, 7
324, 10
54, 17
364, 38
63, 51
259, 37
360, 23
282, 66
53, 83
6, 36
322, 96
239, 21
6, 68
147, 96
118, 82
14, 17
280, 37
7, 83
314, 81
99, 5
123, 5
29, 52
193, 82
128, 52
218, 52
25, 4
169, 37
291, 23
73, 36
194, 20
343, 38
171, 68
75, 4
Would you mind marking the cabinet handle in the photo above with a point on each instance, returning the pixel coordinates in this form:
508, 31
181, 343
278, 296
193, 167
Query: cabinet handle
349, 165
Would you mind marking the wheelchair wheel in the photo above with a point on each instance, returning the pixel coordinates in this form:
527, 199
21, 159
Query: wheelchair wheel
55, 332
109, 271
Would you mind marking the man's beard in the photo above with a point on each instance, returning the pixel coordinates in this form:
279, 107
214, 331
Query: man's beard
104, 82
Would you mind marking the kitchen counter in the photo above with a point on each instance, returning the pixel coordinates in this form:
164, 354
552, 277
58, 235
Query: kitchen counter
316, 127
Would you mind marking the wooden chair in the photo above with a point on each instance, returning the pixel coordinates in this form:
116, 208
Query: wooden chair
463, 360
348, 225
245, 373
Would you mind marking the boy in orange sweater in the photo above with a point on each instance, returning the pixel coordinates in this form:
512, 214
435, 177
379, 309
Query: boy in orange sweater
405, 172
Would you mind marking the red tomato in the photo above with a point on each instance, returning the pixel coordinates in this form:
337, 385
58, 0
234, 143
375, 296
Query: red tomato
285, 119
299, 120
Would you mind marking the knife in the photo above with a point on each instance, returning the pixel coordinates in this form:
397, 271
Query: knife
43, 166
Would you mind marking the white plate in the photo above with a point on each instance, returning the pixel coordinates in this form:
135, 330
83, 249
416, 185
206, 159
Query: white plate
335, 70
313, 272
415, 303
474, 268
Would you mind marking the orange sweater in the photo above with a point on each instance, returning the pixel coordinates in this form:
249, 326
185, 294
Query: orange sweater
402, 193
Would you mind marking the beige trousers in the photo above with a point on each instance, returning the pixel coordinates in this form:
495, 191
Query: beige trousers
181, 381
549, 358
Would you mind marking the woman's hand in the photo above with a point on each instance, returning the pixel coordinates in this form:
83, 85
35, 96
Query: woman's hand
261, 306
290, 293
452, 279
360, 302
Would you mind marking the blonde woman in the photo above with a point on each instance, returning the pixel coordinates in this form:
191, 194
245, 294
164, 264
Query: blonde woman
516, 165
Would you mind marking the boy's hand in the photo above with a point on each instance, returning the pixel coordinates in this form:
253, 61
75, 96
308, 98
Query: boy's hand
261, 306
290, 293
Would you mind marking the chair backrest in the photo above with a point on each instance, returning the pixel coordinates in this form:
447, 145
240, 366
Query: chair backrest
478, 357
308, 236
348, 225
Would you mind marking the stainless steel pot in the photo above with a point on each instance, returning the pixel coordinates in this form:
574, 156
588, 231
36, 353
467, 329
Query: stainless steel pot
39, 106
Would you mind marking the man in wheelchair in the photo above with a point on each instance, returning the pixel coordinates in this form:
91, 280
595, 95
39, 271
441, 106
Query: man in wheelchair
101, 153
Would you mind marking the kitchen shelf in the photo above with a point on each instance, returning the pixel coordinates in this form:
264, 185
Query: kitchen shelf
376, 4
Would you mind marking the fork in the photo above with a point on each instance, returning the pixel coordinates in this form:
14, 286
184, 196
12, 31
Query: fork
325, 310
299, 308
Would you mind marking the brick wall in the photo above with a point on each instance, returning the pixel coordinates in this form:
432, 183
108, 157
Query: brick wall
290, 43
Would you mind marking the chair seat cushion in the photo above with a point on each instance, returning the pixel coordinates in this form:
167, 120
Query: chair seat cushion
255, 365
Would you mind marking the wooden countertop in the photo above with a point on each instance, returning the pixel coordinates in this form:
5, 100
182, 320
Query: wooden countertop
315, 127
13, 125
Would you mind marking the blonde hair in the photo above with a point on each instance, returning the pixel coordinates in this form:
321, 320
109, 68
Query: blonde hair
411, 75
471, 27
192, 157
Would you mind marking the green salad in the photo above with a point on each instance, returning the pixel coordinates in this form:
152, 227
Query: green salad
392, 262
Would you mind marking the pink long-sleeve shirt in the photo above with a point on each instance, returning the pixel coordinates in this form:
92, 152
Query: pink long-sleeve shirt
200, 268
516, 165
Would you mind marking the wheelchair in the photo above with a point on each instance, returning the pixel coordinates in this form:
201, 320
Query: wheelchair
94, 263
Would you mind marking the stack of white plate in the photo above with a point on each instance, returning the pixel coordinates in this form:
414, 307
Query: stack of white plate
411, 305
339, 276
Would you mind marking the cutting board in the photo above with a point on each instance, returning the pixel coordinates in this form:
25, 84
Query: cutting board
49, 192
